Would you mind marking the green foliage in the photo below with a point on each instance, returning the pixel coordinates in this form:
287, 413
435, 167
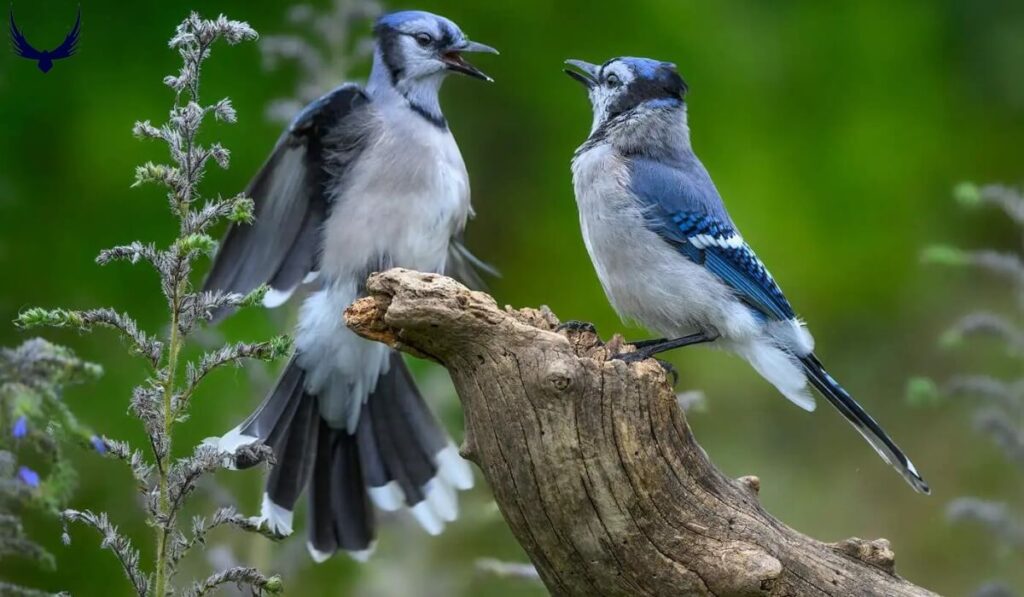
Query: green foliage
163, 399
155, 174
944, 255
967, 194
999, 412
922, 391
58, 318
200, 243
36, 428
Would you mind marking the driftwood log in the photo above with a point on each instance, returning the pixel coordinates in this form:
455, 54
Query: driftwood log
592, 462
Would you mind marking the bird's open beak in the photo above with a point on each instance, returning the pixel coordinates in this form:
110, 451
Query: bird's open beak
585, 73
452, 57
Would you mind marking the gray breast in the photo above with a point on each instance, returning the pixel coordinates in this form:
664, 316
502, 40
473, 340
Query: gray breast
400, 203
645, 278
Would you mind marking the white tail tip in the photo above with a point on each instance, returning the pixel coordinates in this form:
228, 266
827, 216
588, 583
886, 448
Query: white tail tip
442, 499
388, 497
362, 556
427, 518
277, 518
318, 556
276, 298
453, 468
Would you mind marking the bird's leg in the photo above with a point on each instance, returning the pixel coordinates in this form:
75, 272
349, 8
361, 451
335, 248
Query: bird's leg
645, 343
651, 349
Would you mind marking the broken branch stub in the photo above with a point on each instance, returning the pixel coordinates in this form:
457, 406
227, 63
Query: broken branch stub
592, 463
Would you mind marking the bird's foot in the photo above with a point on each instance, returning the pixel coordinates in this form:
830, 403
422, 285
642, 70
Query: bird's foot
642, 355
632, 357
670, 370
574, 325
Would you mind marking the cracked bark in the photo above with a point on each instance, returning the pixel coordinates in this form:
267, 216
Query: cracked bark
592, 462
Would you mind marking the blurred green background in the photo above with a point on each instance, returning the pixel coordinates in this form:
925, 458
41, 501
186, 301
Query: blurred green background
833, 130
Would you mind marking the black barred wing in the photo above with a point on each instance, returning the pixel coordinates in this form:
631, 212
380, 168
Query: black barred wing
717, 246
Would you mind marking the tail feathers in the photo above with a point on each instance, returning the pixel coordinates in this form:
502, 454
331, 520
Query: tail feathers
466, 267
862, 422
290, 474
781, 369
399, 456
403, 448
341, 517
450, 466
269, 422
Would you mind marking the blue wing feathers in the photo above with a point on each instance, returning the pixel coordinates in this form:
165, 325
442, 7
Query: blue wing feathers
681, 203
743, 271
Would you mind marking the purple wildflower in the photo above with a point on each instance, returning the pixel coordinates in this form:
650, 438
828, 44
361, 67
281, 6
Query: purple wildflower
98, 444
28, 476
20, 428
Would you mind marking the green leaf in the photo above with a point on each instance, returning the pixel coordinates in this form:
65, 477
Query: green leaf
37, 316
242, 210
255, 298
158, 173
279, 346
202, 243
274, 585
967, 194
922, 391
945, 255
951, 339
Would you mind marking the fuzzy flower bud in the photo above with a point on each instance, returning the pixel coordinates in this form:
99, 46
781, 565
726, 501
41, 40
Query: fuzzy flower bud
98, 444
28, 476
20, 428
224, 111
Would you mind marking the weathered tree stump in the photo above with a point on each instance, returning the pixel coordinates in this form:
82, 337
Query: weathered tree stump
592, 462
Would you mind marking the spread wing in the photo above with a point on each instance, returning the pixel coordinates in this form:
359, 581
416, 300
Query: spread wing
683, 207
67, 48
21, 46
281, 248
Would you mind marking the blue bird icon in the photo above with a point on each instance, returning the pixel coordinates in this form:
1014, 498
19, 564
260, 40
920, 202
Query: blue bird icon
45, 58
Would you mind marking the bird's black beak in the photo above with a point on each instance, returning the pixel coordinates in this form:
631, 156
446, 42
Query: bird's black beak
585, 73
452, 57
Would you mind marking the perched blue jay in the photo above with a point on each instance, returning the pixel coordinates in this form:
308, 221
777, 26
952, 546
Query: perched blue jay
669, 256
362, 180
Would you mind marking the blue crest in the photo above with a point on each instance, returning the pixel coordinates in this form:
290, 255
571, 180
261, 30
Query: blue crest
395, 20
648, 68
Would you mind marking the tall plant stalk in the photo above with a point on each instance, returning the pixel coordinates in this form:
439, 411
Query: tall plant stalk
162, 400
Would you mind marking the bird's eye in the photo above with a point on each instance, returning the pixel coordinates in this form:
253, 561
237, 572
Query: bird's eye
612, 80
424, 39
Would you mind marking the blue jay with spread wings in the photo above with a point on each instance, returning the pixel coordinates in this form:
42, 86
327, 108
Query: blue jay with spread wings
669, 256
44, 58
362, 180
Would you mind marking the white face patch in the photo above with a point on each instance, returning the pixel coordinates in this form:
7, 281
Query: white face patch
417, 60
606, 90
